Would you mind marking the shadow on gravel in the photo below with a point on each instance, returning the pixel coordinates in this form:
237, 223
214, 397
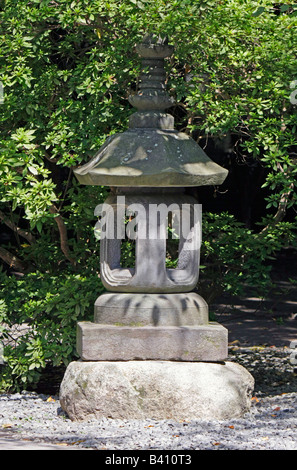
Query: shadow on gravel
270, 367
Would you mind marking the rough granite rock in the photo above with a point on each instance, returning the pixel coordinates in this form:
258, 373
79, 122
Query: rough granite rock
157, 390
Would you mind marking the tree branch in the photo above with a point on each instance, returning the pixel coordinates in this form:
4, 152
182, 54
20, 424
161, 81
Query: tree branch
63, 234
49, 158
282, 206
281, 210
23, 233
12, 260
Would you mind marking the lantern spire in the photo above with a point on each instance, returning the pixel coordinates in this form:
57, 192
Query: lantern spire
152, 94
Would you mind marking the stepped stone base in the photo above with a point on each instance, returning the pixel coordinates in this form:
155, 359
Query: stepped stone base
155, 390
99, 342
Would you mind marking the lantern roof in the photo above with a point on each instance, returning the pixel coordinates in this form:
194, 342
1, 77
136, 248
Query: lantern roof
151, 153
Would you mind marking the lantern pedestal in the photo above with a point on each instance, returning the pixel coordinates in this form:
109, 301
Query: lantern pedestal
173, 365
166, 327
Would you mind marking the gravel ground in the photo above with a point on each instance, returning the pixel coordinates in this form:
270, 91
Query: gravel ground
271, 423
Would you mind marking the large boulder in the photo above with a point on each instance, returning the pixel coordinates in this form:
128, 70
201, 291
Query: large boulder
155, 389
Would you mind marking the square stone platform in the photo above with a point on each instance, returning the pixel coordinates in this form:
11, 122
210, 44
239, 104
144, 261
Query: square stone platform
203, 343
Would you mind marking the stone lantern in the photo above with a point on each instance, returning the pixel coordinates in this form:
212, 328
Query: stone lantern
151, 350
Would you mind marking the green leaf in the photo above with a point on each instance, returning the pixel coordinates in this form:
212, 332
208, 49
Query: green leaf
33, 170
284, 8
259, 11
39, 226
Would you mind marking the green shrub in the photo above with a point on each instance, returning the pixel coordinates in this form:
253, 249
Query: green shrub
39, 322
235, 258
